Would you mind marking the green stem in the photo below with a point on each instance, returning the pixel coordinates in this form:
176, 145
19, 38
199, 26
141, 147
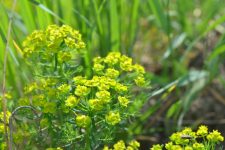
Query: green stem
88, 139
56, 62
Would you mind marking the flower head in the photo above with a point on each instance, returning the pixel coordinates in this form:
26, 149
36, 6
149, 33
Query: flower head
202, 131
95, 104
215, 136
83, 121
71, 101
157, 147
120, 145
82, 91
198, 146
123, 101
113, 118
103, 96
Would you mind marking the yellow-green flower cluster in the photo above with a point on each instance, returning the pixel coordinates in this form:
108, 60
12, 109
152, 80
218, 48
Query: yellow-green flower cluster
215, 136
188, 139
83, 121
171, 146
157, 147
95, 104
64, 88
113, 118
202, 130
103, 96
123, 101
82, 91
71, 101
183, 137
120, 145
45, 43
198, 146
115, 64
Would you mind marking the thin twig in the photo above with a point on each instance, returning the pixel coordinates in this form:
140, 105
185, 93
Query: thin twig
4, 101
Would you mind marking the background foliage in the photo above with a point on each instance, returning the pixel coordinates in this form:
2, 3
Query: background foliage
180, 42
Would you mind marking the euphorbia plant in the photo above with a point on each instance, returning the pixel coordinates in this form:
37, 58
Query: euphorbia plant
73, 110
187, 139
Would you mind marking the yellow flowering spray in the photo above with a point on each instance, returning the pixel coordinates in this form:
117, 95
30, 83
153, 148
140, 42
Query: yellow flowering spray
75, 109
190, 140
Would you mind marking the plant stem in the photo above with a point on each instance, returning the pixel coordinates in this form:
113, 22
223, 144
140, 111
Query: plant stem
56, 62
88, 139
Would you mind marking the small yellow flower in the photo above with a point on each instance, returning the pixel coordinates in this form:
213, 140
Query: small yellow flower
71, 101
113, 118
215, 136
82, 91
130, 148
139, 69
95, 104
93, 82
120, 145
98, 60
198, 146
202, 131
112, 58
79, 80
189, 132
134, 144
120, 88
103, 96
177, 138
157, 147
140, 80
126, 63
123, 101
83, 121
64, 88
112, 73
169, 146
98, 67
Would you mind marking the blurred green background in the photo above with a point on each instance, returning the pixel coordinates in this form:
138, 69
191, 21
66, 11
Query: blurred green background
180, 43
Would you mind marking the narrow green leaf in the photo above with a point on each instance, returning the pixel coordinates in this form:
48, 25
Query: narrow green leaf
114, 26
159, 14
41, 6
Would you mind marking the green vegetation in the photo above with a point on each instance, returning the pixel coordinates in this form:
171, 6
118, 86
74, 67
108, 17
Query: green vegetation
180, 43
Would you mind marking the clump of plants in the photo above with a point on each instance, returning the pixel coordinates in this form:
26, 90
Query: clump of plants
187, 139
65, 108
